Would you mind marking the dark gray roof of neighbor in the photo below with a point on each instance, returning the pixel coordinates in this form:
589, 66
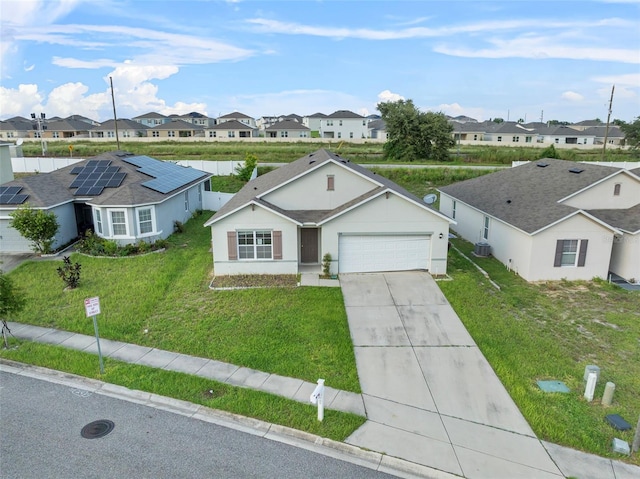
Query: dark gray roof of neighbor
123, 124
69, 125
287, 124
231, 125
626, 220
377, 125
254, 189
49, 189
151, 114
177, 125
600, 131
344, 114
527, 196
235, 114
317, 115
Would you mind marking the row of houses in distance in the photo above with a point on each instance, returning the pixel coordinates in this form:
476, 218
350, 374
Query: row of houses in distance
343, 125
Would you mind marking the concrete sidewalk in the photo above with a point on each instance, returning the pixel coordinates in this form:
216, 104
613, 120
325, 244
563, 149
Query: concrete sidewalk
434, 406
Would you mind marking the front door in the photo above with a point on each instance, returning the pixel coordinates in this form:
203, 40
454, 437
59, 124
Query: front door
309, 245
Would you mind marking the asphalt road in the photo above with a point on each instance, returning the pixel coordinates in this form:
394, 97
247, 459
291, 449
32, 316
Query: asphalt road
40, 425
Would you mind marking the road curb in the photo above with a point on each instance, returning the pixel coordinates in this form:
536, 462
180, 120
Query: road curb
338, 450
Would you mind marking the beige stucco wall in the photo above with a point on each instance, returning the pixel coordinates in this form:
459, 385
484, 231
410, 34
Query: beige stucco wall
576, 227
310, 191
394, 215
248, 219
601, 196
470, 221
625, 257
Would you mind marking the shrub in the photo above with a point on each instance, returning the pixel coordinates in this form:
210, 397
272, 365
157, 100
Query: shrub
70, 273
38, 226
326, 264
178, 226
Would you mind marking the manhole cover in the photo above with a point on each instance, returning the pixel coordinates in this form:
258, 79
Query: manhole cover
97, 429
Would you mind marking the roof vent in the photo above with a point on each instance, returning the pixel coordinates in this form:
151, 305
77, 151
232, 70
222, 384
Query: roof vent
312, 162
508, 202
576, 170
542, 164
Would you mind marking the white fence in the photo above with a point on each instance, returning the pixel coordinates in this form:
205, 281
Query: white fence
627, 165
214, 200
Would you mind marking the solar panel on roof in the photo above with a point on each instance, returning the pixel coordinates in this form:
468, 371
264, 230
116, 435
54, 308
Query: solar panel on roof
9, 195
96, 175
77, 170
167, 176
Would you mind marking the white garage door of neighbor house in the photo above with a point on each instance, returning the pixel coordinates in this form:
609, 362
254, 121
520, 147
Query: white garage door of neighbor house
10, 240
371, 253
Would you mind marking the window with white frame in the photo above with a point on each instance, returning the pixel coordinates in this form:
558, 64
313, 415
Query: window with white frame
111, 134
200, 193
571, 252
98, 221
56, 134
118, 222
126, 133
485, 229
255, 244
616, 189
231, 134
339, 135
145, 220
329, 122
171, 133
499, 138
340, 122
155, 134
284, 134
186, 201
453, 209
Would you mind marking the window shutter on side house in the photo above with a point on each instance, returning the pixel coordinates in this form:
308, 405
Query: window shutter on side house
558, 258
582, 255
277, 245
232, 251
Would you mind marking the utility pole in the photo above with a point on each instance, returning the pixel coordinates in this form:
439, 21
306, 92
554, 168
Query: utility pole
606, 131
115, 117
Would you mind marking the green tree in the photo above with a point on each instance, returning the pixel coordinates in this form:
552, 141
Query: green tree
550, 152
11, 301
415, 135
38, 226
250, 163
632, 134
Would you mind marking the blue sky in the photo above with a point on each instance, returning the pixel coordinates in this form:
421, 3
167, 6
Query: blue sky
485, 59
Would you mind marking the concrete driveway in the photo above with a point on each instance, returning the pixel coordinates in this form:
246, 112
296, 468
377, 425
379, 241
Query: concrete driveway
430, 395
10, 261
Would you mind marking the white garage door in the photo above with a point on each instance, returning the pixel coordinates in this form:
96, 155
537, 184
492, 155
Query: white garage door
11, 241
370, 253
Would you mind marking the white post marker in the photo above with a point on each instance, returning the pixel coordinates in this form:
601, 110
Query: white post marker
317, 397
92, 307
592, 379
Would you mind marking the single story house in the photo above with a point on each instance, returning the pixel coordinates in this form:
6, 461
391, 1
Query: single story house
553, 219
126, 129
287, 220
119, 195
231, 129
287, 129
176, 129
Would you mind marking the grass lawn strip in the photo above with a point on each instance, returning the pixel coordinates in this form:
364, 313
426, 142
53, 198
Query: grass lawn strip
245, 402
531, 332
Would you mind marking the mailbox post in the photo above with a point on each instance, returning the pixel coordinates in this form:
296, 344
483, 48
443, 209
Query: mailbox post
317, 397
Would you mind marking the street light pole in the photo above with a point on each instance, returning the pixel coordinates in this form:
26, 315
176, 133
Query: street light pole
40, 126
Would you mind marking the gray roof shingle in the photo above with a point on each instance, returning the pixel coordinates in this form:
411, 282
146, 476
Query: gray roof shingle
527, 196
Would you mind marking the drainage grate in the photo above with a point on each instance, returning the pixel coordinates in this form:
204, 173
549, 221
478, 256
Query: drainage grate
97, 429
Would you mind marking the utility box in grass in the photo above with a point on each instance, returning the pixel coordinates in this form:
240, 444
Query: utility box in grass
620, 446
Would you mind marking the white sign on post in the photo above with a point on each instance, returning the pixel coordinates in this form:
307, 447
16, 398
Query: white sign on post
92, 306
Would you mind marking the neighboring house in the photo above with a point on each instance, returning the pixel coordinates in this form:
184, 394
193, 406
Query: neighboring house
126, 129
288, 129
314, 123
176, 129
377, 129
343, 124
553, 219
16, 127
239, 117
468, 131
614, 135
198, 119
67, 128
231, 129
118, 195
564, 135
289, 219
151, 119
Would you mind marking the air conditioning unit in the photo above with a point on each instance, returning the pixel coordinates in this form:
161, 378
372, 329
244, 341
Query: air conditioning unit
482, 249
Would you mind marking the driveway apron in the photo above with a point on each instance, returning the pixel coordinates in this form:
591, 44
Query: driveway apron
430, 395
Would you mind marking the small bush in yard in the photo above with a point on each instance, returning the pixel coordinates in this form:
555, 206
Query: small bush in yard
70, 273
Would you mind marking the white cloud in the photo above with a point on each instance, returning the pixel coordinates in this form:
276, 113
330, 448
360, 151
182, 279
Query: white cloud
572, 96
28, 68
542, 48
21, 101
72, 99
629, 79
387, 95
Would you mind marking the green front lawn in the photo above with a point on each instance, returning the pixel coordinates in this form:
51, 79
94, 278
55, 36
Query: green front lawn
163, 300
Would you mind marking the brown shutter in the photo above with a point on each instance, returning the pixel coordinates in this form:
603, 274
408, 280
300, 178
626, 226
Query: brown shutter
330, 183
558, 260
232, 250
277, 245
582, 256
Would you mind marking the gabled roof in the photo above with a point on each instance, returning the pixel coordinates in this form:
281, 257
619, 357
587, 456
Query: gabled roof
123, 124
528, 196
377, 125
177, 125
231, 125
151, 114
235, 114
317, 115
345, 114
254, 190
626, 220
600, 131
287, 124
69, 125
46, 190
